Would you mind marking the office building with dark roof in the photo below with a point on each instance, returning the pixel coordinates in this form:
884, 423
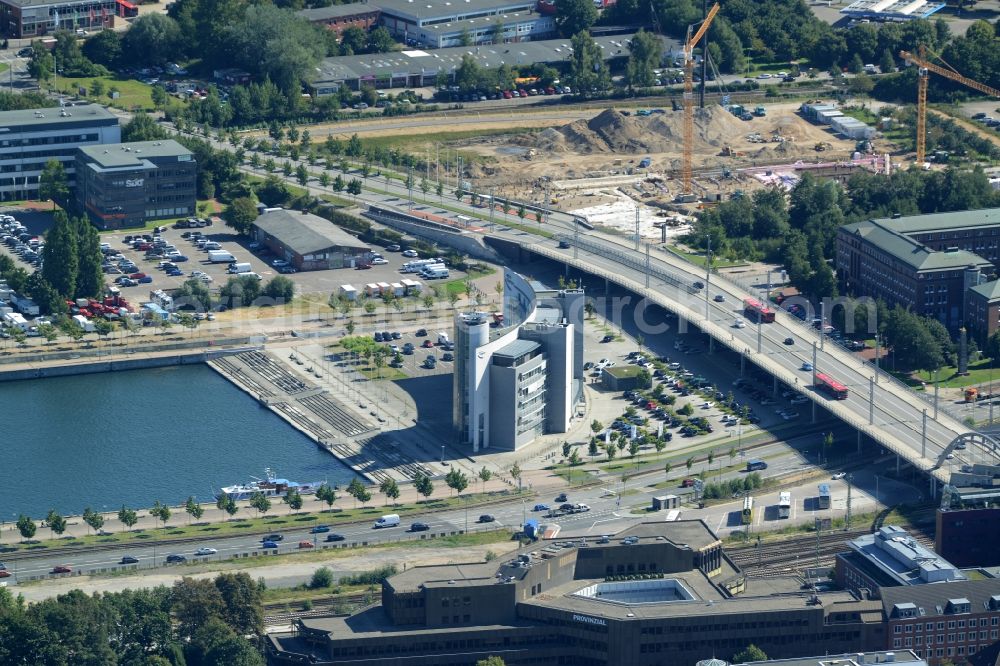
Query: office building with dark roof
122, 185
31, 137
928, 263
655, 594
895, 657
309, 242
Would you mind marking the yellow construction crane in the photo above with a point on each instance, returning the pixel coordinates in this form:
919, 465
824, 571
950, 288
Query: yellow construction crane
689, 96
922, 74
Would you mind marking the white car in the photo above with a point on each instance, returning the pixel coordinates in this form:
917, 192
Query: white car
410, 253
206, 551
278, 263
838, 476
739, 323
379, 261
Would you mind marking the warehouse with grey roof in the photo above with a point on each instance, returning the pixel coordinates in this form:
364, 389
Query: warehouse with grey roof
308, 242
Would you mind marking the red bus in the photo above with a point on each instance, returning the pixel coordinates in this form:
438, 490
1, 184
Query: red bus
755, 310
836, 390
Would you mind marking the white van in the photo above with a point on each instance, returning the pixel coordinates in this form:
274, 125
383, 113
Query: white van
239, 267
388, 520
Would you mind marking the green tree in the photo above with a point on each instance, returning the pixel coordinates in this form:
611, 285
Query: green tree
485, 475
227, 504
93, 519
52, 183
887, 63
423, 485
240, 214
456, 480
749, 653
127, 517
390, 489
492, 660
301, 175
587, 68
193, 509
279, 288
326, 493
26, 526
260, 502
293, 499
610, 451
322, 578
160, 512
574, 17
193, 602
243, 608
152, 39
56, 523
60, 259
645, 53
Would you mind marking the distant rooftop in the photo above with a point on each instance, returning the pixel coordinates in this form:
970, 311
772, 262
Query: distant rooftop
336, 11
305, 233
80, 114
893, 9
894, 552
428, 9
898, 657
516, 349
133, 154
891, 238
420, 62
988, 290
953, 221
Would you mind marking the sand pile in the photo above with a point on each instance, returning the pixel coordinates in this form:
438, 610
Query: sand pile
612, 132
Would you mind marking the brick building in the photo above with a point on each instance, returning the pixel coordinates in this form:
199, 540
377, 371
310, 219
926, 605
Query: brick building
340, 17
34, 18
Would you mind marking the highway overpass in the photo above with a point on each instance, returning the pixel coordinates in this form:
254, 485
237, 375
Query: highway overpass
877, 405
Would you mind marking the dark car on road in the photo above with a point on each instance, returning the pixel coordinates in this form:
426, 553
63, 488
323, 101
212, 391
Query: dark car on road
540, 507
273, 537
561, 497
269, 544
320, 529
129, 559
334, 537
486, 518
419, 527
173, 557
608, 338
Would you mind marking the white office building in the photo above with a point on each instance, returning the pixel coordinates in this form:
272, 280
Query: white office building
524, 378
29, 138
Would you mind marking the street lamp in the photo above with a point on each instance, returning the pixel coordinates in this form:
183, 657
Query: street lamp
442, 454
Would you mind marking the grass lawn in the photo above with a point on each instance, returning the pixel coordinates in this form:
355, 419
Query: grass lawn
132, 93
4, 67
981, 372
387, 373
420, 143
698, 259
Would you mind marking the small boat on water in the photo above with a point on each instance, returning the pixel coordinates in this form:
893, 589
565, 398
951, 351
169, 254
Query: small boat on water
271, 486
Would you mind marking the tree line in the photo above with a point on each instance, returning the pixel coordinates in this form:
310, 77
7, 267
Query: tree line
192, 623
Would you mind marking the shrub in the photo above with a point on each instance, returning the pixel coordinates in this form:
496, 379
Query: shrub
321, 578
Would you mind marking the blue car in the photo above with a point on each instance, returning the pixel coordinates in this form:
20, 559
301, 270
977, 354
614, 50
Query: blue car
541, 507
146, 279
175, 273
178, 258
269, 544
319, 529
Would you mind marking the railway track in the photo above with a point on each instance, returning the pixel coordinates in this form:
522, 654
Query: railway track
275, 614
791, 555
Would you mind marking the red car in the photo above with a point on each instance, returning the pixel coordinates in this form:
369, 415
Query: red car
687, 483
137, 276
427, 343
507, 94
4, 573
362, 267
306, 544
62, 568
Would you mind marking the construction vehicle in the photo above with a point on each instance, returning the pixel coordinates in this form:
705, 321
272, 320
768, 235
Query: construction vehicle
923, 73
760, 112
821, 146
689, 44
727, 151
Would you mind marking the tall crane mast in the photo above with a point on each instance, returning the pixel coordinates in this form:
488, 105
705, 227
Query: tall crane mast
923, 73
689, 45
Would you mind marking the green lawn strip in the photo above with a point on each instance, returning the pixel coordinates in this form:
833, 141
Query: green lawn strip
132, 93
335, 200
699, 260
677, 458
981, 372
274, 598
387, 373
897, 516
259, 525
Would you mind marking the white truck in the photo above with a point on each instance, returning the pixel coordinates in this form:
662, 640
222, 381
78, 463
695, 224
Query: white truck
85, 324
221, 257
388, 520
443, 338
239, 267
26, 306
15, 320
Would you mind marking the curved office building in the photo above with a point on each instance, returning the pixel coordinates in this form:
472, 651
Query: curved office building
522, 377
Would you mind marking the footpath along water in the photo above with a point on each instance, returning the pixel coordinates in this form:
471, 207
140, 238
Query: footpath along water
140, 436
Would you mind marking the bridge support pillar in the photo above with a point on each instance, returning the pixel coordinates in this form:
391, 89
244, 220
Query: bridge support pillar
897, 464
711, 345
923, 436
743, 365
607, 287
566, 269
814, 411
933, 488
859, 442
774, 387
